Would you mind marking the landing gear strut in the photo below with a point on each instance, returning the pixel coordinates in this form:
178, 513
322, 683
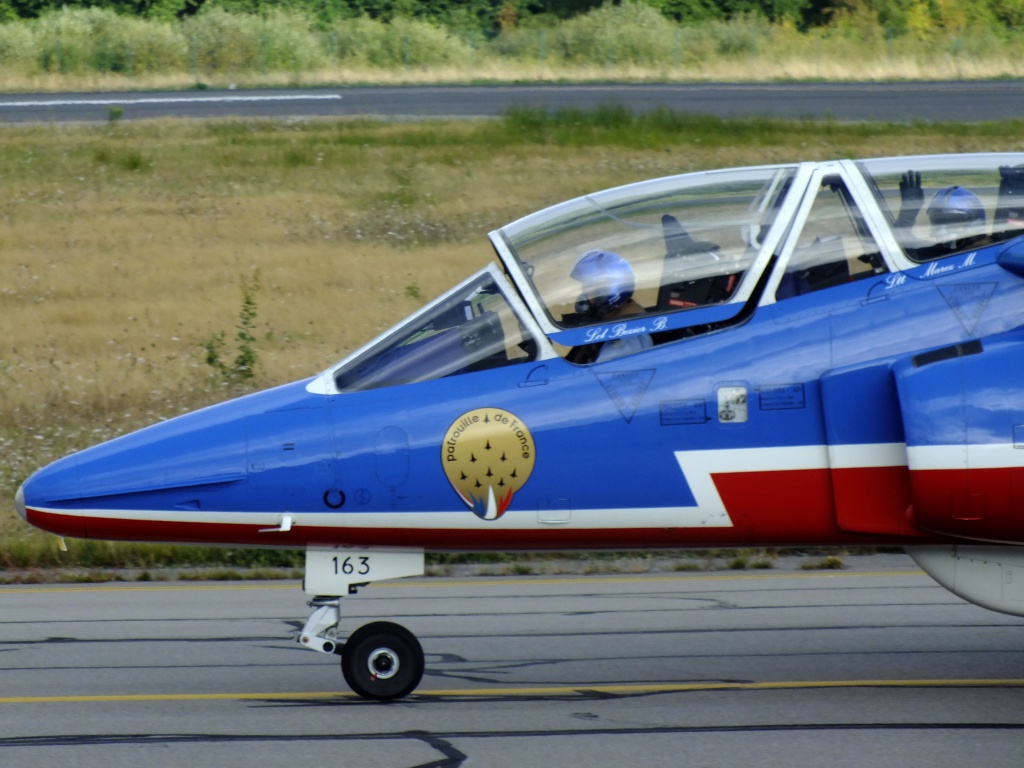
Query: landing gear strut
380, 660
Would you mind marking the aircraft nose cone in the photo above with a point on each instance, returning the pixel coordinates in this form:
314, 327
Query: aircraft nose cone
19, 502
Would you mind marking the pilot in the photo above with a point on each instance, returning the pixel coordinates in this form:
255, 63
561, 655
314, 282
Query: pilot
957, 218
607, 283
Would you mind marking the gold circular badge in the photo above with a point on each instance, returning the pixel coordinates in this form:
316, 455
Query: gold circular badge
488, 455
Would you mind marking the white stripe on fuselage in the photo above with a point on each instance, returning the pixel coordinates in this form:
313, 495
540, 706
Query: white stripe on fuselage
976, 456
464, 519
867, 455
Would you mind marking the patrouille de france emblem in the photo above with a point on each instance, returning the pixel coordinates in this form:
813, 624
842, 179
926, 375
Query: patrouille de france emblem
488, 455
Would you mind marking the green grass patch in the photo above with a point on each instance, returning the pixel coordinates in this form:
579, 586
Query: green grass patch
829, 563
29, 550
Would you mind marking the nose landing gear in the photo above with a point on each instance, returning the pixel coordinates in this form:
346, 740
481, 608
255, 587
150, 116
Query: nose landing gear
380, 660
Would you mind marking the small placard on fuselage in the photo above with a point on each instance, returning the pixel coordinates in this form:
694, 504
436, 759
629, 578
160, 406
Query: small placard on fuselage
732, 405
783, 397
675, 412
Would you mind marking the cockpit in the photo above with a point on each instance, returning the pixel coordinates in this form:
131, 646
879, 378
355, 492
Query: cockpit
663, 259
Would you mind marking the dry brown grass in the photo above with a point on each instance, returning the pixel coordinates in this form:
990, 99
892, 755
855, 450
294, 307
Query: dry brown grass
775, 66
123, 247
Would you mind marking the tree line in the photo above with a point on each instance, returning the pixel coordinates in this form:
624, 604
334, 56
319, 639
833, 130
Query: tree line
490, 18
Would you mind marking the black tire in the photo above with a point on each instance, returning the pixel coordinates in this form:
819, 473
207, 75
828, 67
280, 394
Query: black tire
383, 661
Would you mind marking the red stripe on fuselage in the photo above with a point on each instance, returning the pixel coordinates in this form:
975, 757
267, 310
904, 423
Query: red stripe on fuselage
984, 504
874, 500
790, 532
790, 505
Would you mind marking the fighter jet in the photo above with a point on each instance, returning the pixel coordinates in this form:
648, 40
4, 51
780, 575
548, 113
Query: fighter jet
806, 354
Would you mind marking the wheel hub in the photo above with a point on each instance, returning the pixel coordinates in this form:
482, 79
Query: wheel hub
383, 663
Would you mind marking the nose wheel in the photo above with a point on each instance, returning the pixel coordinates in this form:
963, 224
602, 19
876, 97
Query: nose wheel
382, 660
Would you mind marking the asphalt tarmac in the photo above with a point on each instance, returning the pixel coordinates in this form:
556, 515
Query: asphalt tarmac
870, 666
889, 102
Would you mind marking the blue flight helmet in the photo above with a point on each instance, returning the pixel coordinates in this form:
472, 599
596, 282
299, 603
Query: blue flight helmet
607, 279
956, 214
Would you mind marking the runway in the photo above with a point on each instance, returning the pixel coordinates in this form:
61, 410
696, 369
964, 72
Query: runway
886, 102
874, 666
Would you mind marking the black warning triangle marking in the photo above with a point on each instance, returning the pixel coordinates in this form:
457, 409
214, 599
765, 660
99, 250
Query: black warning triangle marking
626, 389
968, 302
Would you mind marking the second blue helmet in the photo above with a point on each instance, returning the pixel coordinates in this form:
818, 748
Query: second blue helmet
956, 205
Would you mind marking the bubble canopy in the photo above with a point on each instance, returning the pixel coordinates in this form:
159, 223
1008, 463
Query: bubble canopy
691, 240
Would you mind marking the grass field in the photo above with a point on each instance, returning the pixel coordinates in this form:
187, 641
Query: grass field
125, 248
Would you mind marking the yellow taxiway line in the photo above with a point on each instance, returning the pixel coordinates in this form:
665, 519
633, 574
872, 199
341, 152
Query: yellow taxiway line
511, 691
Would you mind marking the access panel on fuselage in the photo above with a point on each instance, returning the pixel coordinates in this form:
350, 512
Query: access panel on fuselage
290, 460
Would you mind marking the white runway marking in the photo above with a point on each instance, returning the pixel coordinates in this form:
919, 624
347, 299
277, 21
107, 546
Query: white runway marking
166, 100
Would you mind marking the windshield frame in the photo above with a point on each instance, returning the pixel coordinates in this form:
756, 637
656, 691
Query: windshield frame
325, 382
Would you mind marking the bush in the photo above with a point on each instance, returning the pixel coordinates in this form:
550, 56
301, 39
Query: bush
150, 46
631, 33
356, 41
224, 42
740, 37
17, 47
402, 42
97, 39
530, 40
289, 43
64, 39
1009, 12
